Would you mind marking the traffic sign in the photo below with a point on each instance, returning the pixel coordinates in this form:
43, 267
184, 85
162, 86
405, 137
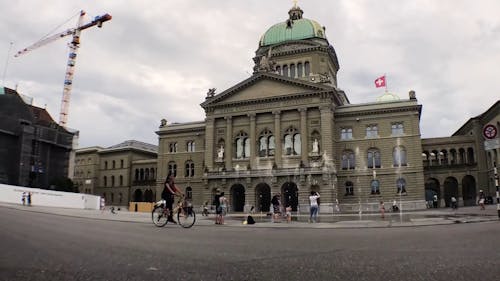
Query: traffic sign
490, 132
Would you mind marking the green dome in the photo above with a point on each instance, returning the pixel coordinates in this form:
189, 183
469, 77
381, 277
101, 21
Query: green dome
295, 28
388, 97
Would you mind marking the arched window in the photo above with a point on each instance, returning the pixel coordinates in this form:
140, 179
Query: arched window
105, 165
121, 163
121, 180
373, 156
112, 197
114, 164
375, 187
189, 193
172, 168
307, 69
401, 186
247, 147
112, 181
153, 173
285, 70
300, 70
292, 70
242, 146
348, 160
266, 143
120, 198
136, 174
105, 181
293, 144
141, 177
278, 70
189, 171
146, 175
190, 146
399, 156
349, 188
470, 155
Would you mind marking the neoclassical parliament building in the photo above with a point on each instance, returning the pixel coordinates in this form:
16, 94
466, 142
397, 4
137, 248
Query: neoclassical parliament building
289, 130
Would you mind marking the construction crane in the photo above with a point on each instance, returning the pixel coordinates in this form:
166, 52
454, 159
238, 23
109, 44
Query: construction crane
73, 46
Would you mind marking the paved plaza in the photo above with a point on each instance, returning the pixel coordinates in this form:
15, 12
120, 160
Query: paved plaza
429, 217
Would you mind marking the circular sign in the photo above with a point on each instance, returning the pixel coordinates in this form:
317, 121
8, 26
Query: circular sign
490, 132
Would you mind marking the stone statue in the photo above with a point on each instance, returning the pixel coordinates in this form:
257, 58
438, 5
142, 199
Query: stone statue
265, 64
211, 92
315, 148
220, 153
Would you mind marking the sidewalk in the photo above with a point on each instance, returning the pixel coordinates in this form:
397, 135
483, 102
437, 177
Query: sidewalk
427, 217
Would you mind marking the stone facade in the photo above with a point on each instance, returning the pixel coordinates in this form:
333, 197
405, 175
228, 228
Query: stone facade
289, 130
115, 172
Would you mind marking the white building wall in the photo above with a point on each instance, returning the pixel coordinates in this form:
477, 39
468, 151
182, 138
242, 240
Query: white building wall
49, 198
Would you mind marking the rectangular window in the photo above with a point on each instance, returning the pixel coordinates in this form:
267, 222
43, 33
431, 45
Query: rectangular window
372, 131
397, 129
346, 134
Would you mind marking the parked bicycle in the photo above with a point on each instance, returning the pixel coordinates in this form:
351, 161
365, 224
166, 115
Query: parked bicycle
186, 217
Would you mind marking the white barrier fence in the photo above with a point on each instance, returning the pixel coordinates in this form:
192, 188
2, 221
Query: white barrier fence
49, 198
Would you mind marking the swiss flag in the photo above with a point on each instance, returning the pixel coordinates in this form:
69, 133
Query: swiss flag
380, 82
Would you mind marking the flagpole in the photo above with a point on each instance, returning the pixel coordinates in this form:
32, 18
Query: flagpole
385, 75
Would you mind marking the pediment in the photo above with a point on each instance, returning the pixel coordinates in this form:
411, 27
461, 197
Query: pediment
261, 87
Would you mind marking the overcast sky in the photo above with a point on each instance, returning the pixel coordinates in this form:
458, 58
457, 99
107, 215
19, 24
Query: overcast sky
156, 59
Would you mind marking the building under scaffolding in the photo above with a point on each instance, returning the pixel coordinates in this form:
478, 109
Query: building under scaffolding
33, 148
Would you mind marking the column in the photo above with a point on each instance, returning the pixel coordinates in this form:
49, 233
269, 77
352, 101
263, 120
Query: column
229, 143
327, 133
277, 138
304, 135
252, 139
209, 146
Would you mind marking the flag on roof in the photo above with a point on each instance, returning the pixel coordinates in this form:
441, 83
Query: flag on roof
380, 82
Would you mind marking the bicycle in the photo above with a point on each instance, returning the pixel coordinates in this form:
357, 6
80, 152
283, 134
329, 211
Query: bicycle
186, 217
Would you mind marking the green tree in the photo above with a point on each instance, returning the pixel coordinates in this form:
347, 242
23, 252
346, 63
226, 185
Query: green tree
63, 184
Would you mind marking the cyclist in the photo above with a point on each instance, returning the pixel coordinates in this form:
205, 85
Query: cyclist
169, 191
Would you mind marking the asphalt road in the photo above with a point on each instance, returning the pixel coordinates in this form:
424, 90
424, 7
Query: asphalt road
37, 246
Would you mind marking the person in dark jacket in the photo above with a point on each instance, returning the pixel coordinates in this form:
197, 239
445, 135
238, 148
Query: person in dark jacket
169, 191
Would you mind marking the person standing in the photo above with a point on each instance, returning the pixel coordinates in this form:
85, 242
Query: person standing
276, 207
482, 198
288, 212
218, 210
313, 201
382, 209
23, 198
223, 207
169, 191
29, 198
435, 201
453, 202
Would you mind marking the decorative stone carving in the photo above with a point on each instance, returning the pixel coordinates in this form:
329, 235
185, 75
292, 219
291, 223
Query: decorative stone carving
163, 123
211, 93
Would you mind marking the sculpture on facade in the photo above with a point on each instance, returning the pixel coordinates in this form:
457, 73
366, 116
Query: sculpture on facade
211, 93
220, 153
315, 146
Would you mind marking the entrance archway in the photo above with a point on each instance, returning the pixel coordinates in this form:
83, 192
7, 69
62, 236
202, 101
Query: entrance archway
148, 195
290, 195
469, 190
450, 189
138, 195
262, 197
432, 188
238, 198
